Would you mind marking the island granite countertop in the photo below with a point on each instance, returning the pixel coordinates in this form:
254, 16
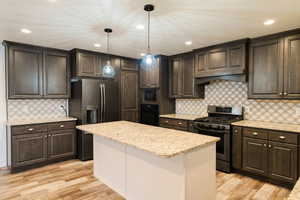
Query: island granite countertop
160, 141
295, 194
269, 125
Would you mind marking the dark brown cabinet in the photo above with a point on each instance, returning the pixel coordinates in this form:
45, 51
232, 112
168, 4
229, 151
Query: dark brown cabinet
150, 75
283, 161
61, 143
177, 124
129, 95
86, 64
129, 64
274, 67
36, 72
223, 59
255, 156
237, 147
29, 149
182, 81
24, 66
269, 153
56, 77
33, 145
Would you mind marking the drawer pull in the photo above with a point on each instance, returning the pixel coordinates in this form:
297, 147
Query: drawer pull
282, 137
179, 123
49, 135
265, 145
30, 129
167, 121
255, 133
61, 126
270, 146
235, 131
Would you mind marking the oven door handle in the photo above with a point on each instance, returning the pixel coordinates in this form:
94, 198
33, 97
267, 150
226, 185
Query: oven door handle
210, 130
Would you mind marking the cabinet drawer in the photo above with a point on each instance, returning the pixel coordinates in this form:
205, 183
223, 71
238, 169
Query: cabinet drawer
17, 130
255, 133
283, 137
174, 122
61, 125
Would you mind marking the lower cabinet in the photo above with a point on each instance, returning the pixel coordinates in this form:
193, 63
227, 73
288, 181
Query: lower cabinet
268, 153
255, 156
38, 144
61, 143
178, 124
29, 149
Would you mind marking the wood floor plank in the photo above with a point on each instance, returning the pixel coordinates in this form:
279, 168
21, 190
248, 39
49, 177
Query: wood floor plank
73, 180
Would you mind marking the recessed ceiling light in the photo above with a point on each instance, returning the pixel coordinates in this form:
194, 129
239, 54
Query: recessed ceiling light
269, 22
140, 27
143, 54
97, 45
52, 0
188, 42
25, 30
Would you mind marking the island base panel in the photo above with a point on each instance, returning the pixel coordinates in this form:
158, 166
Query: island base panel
136, 174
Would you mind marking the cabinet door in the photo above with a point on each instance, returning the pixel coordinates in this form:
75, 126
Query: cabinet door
237, 59
237, 147
176, 77
266, 69
283, 161
200, 63
130, 115
61, 143
129, 90
29, 149
255, 156
56, 74
86, 64
188, 75
292, 67
217, 59
149, 74
25, 65
129, 64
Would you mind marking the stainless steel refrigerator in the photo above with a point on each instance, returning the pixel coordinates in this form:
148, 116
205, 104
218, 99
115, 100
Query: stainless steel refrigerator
93, 101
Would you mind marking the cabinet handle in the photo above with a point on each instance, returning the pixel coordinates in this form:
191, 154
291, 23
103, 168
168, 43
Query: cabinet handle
235, 131
280, 93
255, 133
285, 93
49, 135
282, 137
265, 145
270, 146
167, 121
30, 129
61, 126
179, 123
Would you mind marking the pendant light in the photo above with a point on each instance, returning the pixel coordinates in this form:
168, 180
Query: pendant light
149, 58
108, 70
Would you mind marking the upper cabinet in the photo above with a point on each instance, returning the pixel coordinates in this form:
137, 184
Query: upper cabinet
182, 82
150, 74
224, 59
36, 72
129, 64
274, 70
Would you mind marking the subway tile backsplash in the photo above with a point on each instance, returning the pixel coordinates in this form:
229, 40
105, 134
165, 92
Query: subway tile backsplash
229, 93
35, 108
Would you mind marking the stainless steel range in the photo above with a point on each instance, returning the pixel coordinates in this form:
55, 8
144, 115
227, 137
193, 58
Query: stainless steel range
218, 124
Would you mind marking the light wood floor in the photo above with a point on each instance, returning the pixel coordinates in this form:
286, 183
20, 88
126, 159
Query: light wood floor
73, 180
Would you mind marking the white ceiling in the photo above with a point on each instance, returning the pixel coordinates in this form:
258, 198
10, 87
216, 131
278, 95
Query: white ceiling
71, 24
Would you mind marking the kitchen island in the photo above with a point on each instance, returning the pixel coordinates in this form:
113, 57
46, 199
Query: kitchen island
146, 162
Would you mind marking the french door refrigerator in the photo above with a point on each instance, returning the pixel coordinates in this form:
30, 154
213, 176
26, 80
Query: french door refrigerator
93, 101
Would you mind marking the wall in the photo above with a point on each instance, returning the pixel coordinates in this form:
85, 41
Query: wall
228, 93
35, 108
2, 109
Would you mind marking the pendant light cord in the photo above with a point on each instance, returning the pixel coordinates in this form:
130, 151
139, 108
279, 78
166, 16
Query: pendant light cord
149, 32
107, 45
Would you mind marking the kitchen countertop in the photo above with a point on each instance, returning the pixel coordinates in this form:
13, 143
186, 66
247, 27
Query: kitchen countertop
183, 116
269, 125
38, 121
160, 141
295, 194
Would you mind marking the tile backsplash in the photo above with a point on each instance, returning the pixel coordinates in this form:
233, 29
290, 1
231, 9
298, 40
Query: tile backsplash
229, 93
35, 108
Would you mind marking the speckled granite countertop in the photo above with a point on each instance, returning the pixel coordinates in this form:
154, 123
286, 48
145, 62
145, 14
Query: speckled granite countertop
183, 116
38, 121
269, 125
160, 141
295, 194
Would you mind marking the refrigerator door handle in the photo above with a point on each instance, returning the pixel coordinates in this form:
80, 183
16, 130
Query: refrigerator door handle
100, 109
104, 101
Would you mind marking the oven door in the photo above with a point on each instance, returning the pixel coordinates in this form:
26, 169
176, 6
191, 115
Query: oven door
222, 146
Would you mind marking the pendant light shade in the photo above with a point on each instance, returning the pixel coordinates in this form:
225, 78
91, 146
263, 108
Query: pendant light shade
149, 58
108, 70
